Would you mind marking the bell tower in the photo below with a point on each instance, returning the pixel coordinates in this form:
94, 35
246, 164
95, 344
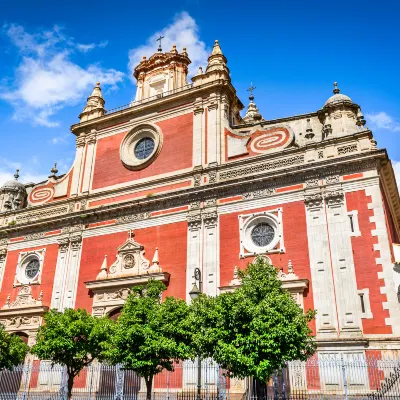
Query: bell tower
161, 73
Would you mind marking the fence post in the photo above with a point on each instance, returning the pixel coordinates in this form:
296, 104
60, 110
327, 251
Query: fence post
221, 384
26, 370
344, 378
62, 394
119, 384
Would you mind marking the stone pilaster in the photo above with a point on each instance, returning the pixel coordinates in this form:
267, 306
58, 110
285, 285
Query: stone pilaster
320, 265
198, 128
211, 262
60, 274
88, 167
347, 300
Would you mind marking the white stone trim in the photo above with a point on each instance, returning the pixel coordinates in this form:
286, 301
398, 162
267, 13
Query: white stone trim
353, 222
385, 258
72, 274
247, 222
22, 245
194, 253
3, 263
210, 256
132, 138
23, 260
367, 304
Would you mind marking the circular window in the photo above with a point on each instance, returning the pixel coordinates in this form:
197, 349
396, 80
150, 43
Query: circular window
144, 147
141, 146
262, 234
32, 268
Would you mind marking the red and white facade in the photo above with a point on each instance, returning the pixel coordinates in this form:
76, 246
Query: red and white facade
116, 218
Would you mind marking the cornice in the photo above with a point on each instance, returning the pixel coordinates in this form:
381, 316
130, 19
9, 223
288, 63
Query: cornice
219, 189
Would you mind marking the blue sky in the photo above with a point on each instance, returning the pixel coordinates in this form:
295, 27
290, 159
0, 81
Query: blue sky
52, 53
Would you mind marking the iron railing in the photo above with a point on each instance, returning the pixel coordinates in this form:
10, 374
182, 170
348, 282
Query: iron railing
339, 377
151, 98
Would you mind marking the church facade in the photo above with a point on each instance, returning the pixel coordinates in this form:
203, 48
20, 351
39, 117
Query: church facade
177, 181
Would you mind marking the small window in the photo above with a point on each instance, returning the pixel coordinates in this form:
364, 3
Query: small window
365, 306
353, 223
144, 148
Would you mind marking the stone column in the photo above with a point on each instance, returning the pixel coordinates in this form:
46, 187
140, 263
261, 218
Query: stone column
78, 164
60, 274
198, 113
194, 253
347, 299
320, 265
3, 256
88, 168
72, 271
210, 262
213, 135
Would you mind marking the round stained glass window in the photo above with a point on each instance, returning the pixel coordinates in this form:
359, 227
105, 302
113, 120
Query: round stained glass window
262, 234
32, 268
144, 148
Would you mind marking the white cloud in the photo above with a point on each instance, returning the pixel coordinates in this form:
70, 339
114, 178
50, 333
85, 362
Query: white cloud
396, 168
382, 120
7, 171
183, 32
84, 48
47, 79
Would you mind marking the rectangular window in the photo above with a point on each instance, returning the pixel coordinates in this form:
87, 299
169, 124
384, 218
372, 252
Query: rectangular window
365, 306
353, 223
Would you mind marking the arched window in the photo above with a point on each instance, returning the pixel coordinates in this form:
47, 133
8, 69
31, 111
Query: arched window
114, 314
23, 336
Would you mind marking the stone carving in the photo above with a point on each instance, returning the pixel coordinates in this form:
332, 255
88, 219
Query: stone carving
259, 193
334, 197
24, 299
236, 281
350, 148
83, 204
33, 236
212, 177
210, 218
36, 216
332, 179
195, 204
133, 217
312, 182
76, 241
290, 275
210, 202
130, 261
262, 167
197, 179
3, 241
17, 322
320, 155
313, 200
63, 244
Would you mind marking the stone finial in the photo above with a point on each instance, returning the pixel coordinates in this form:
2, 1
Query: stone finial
216, 49
16, 175
217, 61
155, 266
184, 52
53, 171
200, 71
103, 270
236, 281
95, 105
40, 298
290, 267
252, 114
174, 50
8, 301
335, 90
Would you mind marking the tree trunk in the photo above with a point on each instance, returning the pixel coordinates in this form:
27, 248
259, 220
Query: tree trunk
260, 389
149, 386
70, 384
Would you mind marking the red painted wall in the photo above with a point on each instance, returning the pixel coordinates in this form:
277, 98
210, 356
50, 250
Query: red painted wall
176, 154
365, 264
171, 240
47, 278
296, 244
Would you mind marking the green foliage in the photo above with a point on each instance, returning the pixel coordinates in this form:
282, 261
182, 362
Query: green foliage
12, 349
150, 334
72, 338
254, 330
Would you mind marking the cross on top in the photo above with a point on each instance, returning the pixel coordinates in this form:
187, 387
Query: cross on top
251, 88
130, 234
159, 44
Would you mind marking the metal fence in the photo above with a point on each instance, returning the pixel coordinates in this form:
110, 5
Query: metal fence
347, 377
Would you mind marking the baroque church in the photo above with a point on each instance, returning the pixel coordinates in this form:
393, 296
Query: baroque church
178, 182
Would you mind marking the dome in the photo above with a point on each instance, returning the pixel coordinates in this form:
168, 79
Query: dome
337, 97
14, 184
